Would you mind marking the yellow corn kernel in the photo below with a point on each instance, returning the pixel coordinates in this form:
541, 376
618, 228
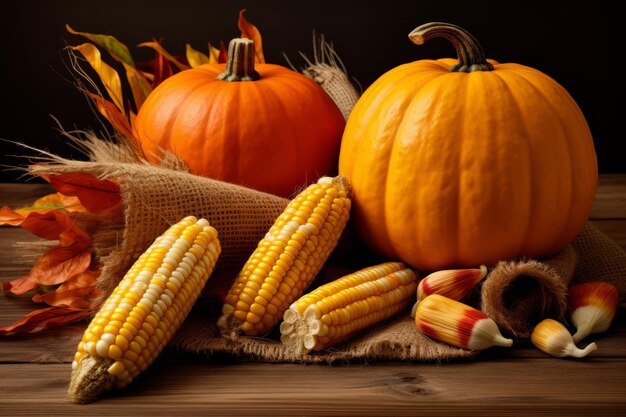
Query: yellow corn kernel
338, 310
287, 260
457, 324
126, 334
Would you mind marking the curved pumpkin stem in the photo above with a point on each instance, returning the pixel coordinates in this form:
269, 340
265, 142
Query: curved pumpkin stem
240, 63
469, 52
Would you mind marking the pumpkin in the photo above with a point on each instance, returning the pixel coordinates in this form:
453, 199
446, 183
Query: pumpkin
458, 163
262, 126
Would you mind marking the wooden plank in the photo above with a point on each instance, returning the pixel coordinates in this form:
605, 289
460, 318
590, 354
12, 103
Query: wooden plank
610, 200
498, 388
19, 195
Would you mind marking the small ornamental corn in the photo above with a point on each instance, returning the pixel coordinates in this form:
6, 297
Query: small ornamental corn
457, 324
336, 311
145, 310
287, 260
552, 337
451, 283
592, 306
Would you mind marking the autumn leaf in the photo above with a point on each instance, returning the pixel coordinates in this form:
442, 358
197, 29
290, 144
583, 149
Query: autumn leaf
222, 57
116, 48
112, 114
248, 30
42, 205
196, 58
214, 54
109, 77
94, 194
139, 85
45, 318
77, 292
162, 52
157, 70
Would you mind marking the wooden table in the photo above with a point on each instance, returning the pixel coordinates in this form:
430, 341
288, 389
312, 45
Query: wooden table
35, 369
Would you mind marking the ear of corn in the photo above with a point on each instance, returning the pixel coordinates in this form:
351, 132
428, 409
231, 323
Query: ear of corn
336, 311
592, 306
457, 324
552, 337
145, 310
287, 260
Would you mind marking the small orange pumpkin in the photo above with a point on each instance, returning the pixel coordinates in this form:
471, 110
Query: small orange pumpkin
268, 128
458, 163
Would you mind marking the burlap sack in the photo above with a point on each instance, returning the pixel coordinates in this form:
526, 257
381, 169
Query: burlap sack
327, 69
516, 294
519, 294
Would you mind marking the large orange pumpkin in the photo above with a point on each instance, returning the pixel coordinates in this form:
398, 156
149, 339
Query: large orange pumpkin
465, 162
265, 127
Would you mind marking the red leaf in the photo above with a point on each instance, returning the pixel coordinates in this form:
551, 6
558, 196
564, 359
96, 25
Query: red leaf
44, 225
96, 195
45, 318
223, 56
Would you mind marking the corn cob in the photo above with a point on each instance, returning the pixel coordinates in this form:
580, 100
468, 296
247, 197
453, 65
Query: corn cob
451, 283
287, 260
457, 324
145, 310
552, 337
592, 306
336, 311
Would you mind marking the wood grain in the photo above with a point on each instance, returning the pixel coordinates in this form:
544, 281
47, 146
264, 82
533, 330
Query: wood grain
35, 369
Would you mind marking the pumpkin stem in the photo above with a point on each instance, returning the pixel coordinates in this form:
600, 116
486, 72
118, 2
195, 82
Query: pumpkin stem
240, 63
468, 50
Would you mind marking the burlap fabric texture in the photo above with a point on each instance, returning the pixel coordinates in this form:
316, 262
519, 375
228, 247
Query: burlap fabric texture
516, 294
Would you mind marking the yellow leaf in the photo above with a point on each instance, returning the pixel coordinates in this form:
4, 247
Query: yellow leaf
214, 54
139, 85
159, 49
109, 77
196, 58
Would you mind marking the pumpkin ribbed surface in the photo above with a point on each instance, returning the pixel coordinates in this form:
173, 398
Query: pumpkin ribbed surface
458, 169
275, 134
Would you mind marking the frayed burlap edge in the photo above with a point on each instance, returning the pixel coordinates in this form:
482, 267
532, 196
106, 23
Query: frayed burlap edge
517, 295
397, 339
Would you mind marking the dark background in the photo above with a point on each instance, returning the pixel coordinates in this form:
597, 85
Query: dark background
577, 45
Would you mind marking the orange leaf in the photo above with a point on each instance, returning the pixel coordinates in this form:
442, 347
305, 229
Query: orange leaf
19, 286
44, 225
248, 30
112, 114
59, 264
109, 77
10, 217
77, 292
96, 195
45, 318
43, 205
